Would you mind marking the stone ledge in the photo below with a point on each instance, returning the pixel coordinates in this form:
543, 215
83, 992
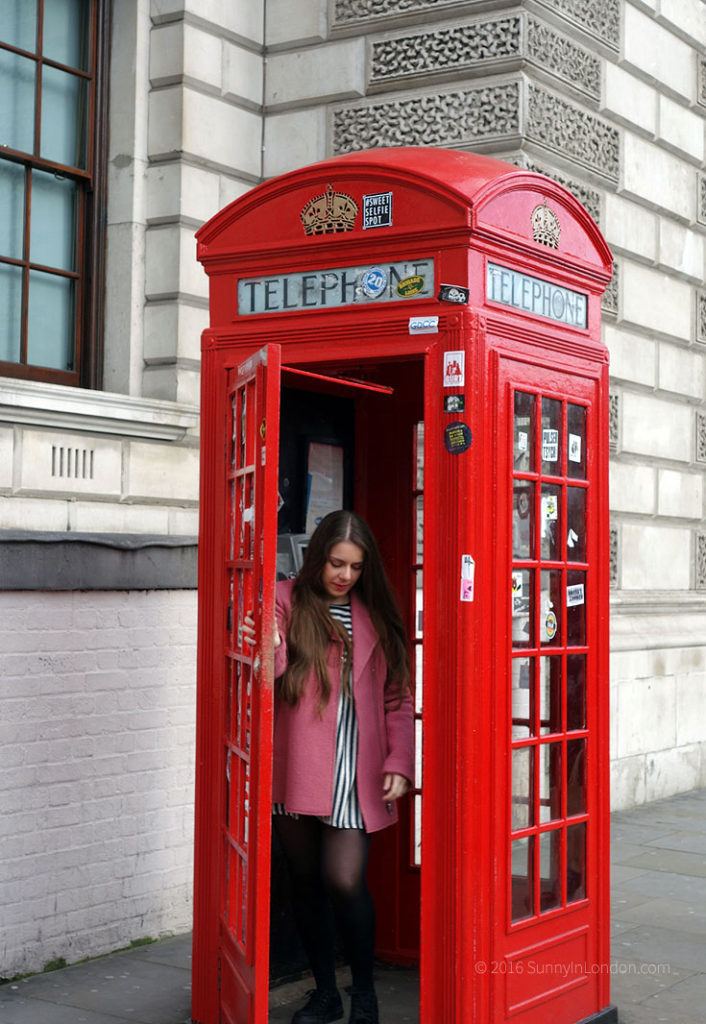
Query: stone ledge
95, 412
33, 560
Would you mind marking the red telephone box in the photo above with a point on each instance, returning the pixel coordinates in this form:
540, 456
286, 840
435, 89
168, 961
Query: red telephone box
426, 324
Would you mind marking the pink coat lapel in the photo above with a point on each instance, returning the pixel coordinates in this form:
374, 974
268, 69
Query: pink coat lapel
364, 636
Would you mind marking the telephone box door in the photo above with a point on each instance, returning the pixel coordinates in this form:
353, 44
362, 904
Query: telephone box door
549, 934
253, 396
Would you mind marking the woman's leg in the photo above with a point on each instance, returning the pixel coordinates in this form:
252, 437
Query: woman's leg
301, 839
344, 864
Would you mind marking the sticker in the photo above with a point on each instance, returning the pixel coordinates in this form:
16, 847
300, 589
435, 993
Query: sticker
550, 446
517, 585
453, 293
522, 441
457, 438
454, 369
411, 286
374, 282
574, 447
574, 595
550, 625
468, 572
550, 507
523, 504
329, 214
377, 210
280, 501
424, 325
571, 539
454, 403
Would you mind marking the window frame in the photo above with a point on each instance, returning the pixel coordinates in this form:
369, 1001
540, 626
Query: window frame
89, 268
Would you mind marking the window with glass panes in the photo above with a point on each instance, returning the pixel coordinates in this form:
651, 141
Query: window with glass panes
51, 124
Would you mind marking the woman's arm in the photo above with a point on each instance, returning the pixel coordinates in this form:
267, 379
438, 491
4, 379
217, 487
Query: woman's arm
280, 647
399, 725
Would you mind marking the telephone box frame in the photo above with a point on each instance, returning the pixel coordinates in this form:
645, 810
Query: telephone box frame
463, 211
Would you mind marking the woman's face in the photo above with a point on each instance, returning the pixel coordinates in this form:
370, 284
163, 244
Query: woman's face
342, 570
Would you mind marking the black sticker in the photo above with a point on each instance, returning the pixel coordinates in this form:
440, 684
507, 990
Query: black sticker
457, 438
377, 210
453, 293
454, 403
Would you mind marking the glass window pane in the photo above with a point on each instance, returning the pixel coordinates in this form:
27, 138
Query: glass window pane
522, 607
17, 106
418, 604
522, 788
523, 451
18, 24
522, 874
551, 436
53, 221
549, 695
575, 691
11, 306
63, 117
576, 862
576, 524
418, 739
550, 526
65, 32
522, 519
549, 865
549, 781
50, 321
575, 777
419, 454
418, 678
12, 205
522, 703
419, 528
575, 608
576, 423
550, 608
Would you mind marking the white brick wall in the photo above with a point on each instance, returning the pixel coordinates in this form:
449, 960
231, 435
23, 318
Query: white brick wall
96, 772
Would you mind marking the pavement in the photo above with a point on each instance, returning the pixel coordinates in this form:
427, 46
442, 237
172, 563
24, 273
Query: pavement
659, 946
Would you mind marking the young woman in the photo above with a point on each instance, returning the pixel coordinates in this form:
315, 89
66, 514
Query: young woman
343, 748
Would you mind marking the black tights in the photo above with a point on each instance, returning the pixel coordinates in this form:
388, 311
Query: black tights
327, 868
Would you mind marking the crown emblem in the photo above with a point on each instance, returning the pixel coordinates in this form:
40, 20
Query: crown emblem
330, 213
545, 226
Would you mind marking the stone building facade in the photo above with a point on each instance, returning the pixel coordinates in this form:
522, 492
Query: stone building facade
99, 472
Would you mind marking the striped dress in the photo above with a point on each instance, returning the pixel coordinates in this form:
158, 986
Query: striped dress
346, 811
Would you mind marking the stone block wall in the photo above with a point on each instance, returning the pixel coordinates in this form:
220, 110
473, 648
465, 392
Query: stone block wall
96, 772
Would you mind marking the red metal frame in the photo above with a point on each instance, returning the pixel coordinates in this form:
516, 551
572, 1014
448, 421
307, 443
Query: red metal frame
461, 211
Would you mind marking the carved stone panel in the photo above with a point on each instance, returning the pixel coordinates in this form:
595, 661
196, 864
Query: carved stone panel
700, 437
446, 49
347, 12
614, 556
482, 44
701, 84
448, 119
610, 301
600, 18
701, 199
614, 419
701, 317
701, 561
576, 134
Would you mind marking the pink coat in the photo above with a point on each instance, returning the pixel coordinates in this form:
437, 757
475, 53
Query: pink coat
305, 739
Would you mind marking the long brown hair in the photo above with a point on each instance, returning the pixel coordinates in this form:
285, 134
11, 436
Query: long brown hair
311, 624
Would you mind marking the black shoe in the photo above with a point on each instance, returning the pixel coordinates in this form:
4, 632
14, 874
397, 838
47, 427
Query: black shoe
364, 1007
323, 1008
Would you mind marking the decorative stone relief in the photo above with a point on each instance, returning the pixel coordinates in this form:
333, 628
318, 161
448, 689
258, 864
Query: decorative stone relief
701, 561
563, 58
447, 119
466, 46
701, 84
600, 18
614, 419
701, 212
446, 49
588, 197
700, 437
572, 132
347, 11
609, 303
701, 317
614, 556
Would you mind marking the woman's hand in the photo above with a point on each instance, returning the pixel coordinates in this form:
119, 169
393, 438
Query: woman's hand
249, 635
394, 786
